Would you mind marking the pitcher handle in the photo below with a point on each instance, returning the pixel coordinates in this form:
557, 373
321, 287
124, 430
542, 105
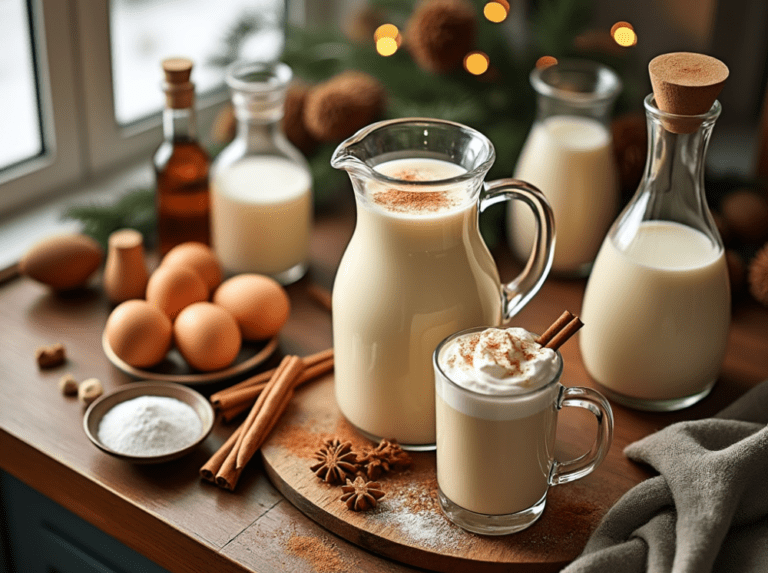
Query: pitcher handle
517, 293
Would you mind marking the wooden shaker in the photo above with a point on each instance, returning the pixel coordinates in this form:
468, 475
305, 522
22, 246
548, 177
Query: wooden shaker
125, 274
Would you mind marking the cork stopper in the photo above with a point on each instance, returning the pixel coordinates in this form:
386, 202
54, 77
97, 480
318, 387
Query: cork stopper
686, 84
179, 91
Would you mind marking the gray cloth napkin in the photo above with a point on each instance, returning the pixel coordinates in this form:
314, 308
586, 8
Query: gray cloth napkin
708, 508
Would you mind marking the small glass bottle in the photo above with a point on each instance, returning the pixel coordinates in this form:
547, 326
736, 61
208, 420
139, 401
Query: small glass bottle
261, 186
657, 305
569, 156
181, 164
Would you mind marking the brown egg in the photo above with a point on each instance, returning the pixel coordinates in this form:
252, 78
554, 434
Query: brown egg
207, 336
139, 333
62, 262
198, 257
171, 288
258, 303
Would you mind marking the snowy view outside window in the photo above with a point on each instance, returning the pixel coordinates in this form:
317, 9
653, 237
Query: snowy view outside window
20, 131
144, 32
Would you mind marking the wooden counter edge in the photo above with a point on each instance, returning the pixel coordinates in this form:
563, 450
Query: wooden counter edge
97, 505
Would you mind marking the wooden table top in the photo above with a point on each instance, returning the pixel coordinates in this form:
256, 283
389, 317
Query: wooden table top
167, 513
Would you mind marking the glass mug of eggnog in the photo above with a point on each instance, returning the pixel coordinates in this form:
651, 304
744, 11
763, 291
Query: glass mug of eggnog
498, 394
416, 268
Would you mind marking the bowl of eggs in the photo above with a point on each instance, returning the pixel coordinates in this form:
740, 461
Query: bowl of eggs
192, 328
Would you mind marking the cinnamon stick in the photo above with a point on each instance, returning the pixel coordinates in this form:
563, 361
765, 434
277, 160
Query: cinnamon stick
264, 377
227, 400
565, 333
213, 465
228, 475
276, 397
321, 296
556, 327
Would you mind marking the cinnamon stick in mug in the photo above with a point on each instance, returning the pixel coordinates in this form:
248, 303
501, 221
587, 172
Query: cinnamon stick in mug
556, 327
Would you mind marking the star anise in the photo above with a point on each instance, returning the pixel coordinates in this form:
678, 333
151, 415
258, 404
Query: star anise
385, 457
361, 495
336, 460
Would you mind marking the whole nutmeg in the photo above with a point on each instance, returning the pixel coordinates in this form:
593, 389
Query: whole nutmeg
344, 104
440, 33
293, 120
746, 214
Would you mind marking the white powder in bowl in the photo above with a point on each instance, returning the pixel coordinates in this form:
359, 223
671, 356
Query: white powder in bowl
150, 426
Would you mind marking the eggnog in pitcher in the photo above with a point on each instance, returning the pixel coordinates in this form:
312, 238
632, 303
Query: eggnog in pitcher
658, 312
421, 272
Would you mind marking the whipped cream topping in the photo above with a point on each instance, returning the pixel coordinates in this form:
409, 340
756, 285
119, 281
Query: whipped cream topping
499, 361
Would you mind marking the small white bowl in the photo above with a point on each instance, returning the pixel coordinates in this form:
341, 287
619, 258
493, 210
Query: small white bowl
105, 403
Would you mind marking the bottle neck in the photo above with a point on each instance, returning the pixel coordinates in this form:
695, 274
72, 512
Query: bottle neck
179, 124
672, 188
548, 106
258, 134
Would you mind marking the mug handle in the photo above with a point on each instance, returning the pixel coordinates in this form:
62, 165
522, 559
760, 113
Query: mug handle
563, 472
517, 293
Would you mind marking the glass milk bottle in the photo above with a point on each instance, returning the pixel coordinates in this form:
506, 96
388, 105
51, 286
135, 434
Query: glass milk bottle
657, 305
569, 156
261, 186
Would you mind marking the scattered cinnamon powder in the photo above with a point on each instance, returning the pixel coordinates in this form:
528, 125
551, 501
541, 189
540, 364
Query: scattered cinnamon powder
413, 201
322, 556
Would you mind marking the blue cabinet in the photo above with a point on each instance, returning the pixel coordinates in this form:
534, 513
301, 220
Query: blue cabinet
40, 536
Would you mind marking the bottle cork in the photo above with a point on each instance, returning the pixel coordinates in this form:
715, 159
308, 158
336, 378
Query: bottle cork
179, 91
686, 84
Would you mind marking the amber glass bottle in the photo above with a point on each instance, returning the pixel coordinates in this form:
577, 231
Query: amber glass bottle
181, 164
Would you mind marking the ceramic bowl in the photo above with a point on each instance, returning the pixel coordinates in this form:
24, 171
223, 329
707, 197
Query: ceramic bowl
105, 403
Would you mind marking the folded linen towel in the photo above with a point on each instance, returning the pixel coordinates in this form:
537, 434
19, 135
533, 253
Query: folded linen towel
708, 508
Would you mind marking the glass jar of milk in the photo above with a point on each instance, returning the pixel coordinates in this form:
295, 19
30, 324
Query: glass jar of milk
261, 186
657, 306
569, 156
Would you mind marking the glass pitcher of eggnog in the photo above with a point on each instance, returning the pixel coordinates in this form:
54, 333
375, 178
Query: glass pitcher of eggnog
416, 268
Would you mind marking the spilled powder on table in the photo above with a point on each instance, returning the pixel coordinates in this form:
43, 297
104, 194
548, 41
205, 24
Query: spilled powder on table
323, 557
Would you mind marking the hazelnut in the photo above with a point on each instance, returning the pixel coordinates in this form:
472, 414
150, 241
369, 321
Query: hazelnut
89, 390
68, 385
50, 356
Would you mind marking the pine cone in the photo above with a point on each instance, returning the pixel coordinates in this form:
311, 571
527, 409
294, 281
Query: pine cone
440, 33
344, 104
293, 120
758, 276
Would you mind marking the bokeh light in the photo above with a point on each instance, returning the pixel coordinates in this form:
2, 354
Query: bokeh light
476, 63
624, 34
496, 11
388, 39
386, 46
385, 31
545, 62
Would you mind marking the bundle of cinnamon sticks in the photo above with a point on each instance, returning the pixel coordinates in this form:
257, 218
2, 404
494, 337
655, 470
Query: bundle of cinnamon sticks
560, 331
269, 394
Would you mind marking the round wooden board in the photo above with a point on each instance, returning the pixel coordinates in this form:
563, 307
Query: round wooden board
408, 526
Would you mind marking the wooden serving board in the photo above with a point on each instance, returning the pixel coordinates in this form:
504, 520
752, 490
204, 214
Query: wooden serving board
408, 525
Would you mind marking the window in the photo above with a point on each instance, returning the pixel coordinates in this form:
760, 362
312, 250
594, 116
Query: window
83, 79
19, 115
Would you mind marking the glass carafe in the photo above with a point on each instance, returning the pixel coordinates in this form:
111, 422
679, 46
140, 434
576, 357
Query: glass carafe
569, 156
261, 186
657, 305
416, 268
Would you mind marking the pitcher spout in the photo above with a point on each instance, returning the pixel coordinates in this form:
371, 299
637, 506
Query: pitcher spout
351, 155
